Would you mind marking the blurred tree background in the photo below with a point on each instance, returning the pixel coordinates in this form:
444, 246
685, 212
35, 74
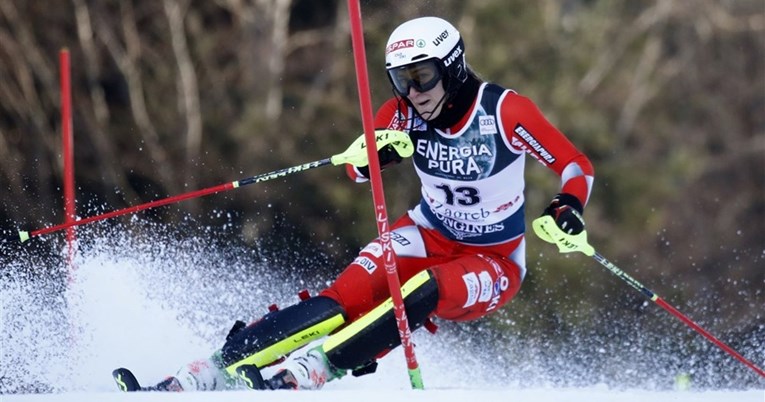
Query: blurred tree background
666, 97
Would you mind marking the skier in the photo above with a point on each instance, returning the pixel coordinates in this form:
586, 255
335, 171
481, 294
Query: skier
460, 252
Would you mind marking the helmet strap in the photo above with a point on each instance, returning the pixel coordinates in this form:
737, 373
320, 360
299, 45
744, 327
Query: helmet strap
459, 99
444, 100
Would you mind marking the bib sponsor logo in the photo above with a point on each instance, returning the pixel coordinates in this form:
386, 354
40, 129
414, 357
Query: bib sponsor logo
499, 287
508, 204
473, 288
399, 238
366, 263
373, 248
402, 44
462, 230
487, 125
459, 160
482, 288
486, 286
400, 55
497, 268
452, 57
443, 212
459, 228
504, 283
397, 123
303, 337
441, 38
528, 141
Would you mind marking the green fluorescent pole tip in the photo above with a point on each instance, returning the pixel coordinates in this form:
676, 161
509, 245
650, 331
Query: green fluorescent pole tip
24, 236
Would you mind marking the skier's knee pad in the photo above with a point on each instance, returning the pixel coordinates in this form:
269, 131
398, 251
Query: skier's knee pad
377, 331
280, 332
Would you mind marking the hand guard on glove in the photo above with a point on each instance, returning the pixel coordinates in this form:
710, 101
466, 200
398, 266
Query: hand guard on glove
566, 210
387, 156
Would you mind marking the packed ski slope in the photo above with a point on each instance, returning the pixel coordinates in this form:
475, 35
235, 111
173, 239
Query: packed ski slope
398, 395
153, 302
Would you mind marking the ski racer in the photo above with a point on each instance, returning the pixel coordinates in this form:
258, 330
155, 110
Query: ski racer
460, 251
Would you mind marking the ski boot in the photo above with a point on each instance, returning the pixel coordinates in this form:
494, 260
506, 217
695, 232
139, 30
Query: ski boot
306, 371
127, 382
250, 374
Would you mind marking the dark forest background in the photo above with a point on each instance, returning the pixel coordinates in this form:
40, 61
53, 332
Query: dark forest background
666, 97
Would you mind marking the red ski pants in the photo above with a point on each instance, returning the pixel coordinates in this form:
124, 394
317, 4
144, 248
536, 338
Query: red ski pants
473, 281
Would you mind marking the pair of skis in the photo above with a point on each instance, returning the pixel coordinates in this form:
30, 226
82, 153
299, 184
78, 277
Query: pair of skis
127, 382
249, 374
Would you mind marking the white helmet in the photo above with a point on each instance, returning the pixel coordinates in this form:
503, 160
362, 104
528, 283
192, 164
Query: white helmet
425, 42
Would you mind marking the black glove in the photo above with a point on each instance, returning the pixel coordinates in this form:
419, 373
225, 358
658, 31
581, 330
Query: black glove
387, 156
567, 212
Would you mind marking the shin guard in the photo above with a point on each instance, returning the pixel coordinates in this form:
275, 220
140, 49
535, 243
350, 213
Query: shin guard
376, 332
280, 332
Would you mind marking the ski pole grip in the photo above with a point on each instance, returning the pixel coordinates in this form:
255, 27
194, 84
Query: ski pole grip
546, 229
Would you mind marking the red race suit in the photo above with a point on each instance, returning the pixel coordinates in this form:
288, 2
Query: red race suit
468, 228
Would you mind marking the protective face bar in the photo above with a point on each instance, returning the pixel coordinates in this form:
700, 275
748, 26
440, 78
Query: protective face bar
280, 332
375, 332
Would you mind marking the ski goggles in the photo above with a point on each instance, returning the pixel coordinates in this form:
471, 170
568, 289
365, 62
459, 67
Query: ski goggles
422, 76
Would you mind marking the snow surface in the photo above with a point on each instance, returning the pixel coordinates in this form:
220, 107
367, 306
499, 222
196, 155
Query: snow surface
388, 395
153, 303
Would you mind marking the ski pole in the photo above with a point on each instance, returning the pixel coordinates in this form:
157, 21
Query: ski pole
355, 155
548, 231
24, 235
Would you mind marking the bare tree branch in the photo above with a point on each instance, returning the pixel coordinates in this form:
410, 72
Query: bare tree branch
30, 65
607, 58
126, 59
642, 88
188, 92
276, 61
97, 134
330, 72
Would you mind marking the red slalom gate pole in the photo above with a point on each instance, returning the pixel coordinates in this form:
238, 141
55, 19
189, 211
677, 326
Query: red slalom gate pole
394, 285
68, 154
